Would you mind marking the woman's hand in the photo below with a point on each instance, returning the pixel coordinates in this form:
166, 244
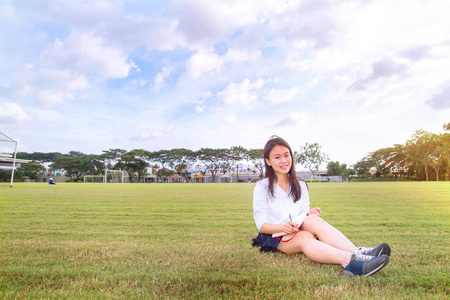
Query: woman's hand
290, 227
314, 211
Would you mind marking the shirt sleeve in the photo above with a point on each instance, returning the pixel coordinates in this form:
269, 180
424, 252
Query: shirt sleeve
260, 205
305, 198
302, 204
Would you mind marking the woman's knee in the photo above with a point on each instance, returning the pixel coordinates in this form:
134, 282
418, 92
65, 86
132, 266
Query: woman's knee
297, 243
303, 235
313, 224
312, 220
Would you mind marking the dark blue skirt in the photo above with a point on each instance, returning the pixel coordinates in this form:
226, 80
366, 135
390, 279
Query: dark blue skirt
266, 242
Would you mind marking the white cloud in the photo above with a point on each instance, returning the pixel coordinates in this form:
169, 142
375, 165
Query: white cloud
11, 112
280, 96
64, 79
292, 119
50, 97
212, 20
75, 14
365, 33
151, 135
58, 85
381, 71
206, 61
155, 32
241, 94
230, 119
199, 109
45, 115
87, 53
234, 55
161, 77
442, 99
155, 134
202, 61
140, 82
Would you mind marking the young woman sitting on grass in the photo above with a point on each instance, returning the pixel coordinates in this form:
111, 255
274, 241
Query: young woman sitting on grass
281, 205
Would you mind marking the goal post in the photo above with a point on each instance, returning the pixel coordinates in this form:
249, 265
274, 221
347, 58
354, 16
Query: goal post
8, 151
93, 179
116, 176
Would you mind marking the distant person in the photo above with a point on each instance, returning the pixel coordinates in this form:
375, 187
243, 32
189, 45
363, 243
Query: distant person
281, 205
50, 181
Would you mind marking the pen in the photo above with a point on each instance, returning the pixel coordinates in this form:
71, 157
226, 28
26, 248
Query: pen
291, 219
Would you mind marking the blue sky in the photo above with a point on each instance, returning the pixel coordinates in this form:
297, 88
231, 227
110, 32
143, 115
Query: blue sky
354, 76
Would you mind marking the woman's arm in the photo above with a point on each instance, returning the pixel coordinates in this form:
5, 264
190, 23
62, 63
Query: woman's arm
260, 205
288, 227
304, 200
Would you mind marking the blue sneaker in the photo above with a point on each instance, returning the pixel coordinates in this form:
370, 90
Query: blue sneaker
366, 265
377, 251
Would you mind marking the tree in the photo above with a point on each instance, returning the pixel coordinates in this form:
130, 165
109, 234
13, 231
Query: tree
420, 149
311, 157
161, 158
32, 170
256, 156
225, 161
211, 158
445, 140
335, 169
180, 159
236, 155
111, 157
92, 165
39, 157
399, 163
388, 161
363, 166
70, 164
438, 155
76, 154
446, 126
134, 163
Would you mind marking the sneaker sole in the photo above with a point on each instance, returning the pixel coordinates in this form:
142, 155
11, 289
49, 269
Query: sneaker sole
379, 267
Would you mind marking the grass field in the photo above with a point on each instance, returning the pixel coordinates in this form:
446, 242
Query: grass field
193, 241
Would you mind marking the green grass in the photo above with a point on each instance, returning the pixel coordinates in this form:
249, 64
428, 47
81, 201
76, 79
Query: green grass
192, 241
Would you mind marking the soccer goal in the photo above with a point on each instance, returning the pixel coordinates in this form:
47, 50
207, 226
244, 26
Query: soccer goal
116, 176
8, 150
94, 178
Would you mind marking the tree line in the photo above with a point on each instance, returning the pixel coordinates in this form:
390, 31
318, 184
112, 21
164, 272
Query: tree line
426, 156
136, 162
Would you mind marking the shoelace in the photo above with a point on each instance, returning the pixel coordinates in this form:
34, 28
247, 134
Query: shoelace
364, 250
362, 257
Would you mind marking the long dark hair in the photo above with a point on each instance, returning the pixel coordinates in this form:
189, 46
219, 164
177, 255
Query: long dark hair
296, 191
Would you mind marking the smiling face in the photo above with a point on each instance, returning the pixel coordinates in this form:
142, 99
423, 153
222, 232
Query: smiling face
280, 160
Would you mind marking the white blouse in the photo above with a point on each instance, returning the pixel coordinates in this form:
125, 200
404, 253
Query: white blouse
276, 210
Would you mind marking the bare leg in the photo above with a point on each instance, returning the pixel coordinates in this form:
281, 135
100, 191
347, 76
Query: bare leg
327, 233
315, 250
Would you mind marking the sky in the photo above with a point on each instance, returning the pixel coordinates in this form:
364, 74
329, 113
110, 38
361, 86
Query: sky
353, 76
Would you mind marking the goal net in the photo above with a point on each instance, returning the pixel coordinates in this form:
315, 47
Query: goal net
8, 150
94, 178
116, 176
